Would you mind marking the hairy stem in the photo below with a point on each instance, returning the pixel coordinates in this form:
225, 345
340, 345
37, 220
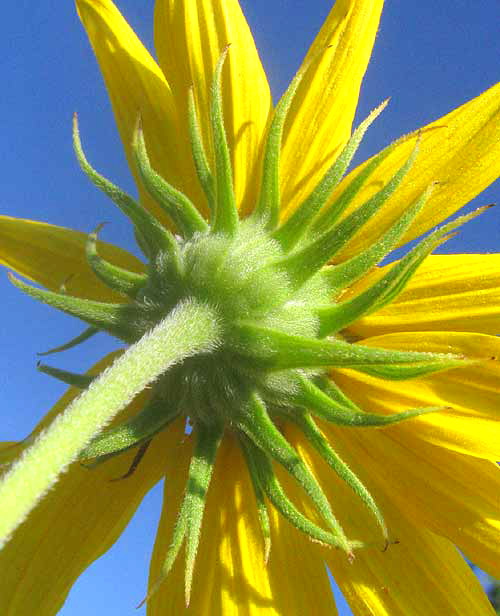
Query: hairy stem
191, 328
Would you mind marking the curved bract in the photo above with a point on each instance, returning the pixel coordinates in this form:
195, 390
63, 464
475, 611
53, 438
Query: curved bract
247, 222
274, 292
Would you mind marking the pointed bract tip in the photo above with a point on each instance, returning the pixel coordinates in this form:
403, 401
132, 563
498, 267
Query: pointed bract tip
100, 226
222, 58
395, 542
223, 55
431, 409
138, 132
14, 280
372, 116
267, 550
77, 143
419, 139
139, 605
430, 189
39, 366
389, 543
446, 237
383, 105
92, 236
149, 594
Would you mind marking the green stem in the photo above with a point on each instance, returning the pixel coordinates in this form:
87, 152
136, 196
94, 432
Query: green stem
191, 328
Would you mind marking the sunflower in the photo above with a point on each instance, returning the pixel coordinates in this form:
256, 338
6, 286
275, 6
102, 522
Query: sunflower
305, 404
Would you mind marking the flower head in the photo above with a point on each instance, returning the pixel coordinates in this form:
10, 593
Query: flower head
293, 352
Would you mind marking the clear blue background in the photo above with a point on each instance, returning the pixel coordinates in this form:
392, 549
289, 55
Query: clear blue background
429, 57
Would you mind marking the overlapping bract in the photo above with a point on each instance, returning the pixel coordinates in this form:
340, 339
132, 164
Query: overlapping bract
275, 317
349, 22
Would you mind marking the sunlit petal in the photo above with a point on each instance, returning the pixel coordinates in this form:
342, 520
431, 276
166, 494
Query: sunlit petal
460, 151
428, 482
55, 256
76, 522
190, 36
452, 494
320, 120
448, 292
470, 422
136, 84
231, 577
400, 580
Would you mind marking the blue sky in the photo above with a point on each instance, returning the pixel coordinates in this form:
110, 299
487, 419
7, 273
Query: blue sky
429, 57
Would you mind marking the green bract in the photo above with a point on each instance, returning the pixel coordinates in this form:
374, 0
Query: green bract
276, 294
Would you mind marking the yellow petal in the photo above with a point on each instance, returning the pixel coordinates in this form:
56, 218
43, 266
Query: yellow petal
78, 520
422, 574
321, 116
53, 256
452, 494
448, 292
190, 36
460, 151
470, 424
136, 85
230, 576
